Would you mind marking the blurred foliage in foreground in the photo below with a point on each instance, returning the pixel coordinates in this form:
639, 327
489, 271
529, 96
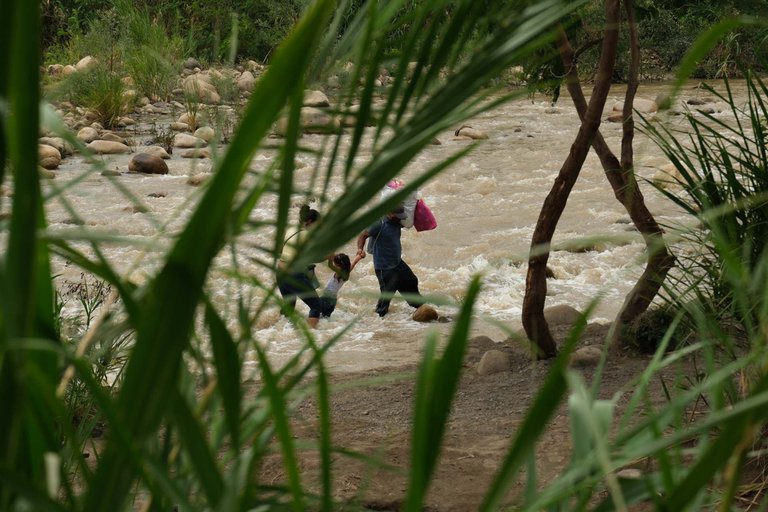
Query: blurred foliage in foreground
182, 433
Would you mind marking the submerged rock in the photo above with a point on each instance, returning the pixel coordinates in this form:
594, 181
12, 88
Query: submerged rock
147, 164
425, 313
469, 132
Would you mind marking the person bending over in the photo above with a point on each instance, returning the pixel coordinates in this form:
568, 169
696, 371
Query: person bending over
393, 273
300, 284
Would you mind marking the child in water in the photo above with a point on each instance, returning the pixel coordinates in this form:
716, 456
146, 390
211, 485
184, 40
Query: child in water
341, 267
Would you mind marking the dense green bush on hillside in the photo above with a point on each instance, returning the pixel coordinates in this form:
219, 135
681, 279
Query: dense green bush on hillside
667, 29
205, 27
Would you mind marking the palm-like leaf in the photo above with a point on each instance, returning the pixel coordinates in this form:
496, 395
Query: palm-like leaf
155, 391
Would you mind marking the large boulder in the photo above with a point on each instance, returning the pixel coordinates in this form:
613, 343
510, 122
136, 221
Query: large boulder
88, 134
64, 147
113, 137
561, 315
108, 147
198, 87
185, 140
316, 99
48, 156
190, 119
663, 100
179, 127
246, 81
206, 133
493, 361
254, 67
313, 120
85, 63
147, 164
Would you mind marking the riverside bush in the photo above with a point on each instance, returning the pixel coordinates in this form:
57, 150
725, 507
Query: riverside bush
722, 165
153, 75
152, 57
97, 89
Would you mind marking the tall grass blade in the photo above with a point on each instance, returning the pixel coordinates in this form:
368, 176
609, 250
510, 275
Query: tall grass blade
195, 445
27, 307
6, 54
278, 411
435, 388
228, 371
546, 402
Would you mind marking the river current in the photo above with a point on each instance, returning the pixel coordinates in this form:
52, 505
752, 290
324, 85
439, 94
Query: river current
486, 208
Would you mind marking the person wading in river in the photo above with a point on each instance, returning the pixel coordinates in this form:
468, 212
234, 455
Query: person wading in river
303, 283
393, 273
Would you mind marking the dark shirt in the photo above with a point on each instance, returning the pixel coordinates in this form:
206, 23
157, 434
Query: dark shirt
384, 244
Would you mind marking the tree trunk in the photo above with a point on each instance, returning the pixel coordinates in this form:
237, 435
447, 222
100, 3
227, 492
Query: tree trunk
534, 323
622, 179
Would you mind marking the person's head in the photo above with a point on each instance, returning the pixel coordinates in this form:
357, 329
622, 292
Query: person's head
343, 265
308, 216
397, 214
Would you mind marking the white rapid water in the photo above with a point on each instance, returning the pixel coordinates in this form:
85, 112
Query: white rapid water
486, 206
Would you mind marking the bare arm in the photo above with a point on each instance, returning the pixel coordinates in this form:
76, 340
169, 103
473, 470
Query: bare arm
361, 243
330, 262
356, 260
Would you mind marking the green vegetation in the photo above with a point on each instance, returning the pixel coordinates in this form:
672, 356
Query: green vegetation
667, 29
125, 42
204, 27
721, 166
97, 89
181, 432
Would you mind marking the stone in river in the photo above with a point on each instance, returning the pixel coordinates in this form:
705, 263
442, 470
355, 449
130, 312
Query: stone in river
147, 164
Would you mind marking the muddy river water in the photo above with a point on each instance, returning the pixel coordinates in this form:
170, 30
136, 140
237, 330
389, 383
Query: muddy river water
486, 207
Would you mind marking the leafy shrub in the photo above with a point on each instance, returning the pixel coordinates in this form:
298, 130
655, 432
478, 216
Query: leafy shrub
154, 75
97, 89
649, 329
151, 55
722, 164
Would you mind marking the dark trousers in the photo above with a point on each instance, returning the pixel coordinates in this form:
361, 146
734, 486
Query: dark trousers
399, 279
298, 285
329, 305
